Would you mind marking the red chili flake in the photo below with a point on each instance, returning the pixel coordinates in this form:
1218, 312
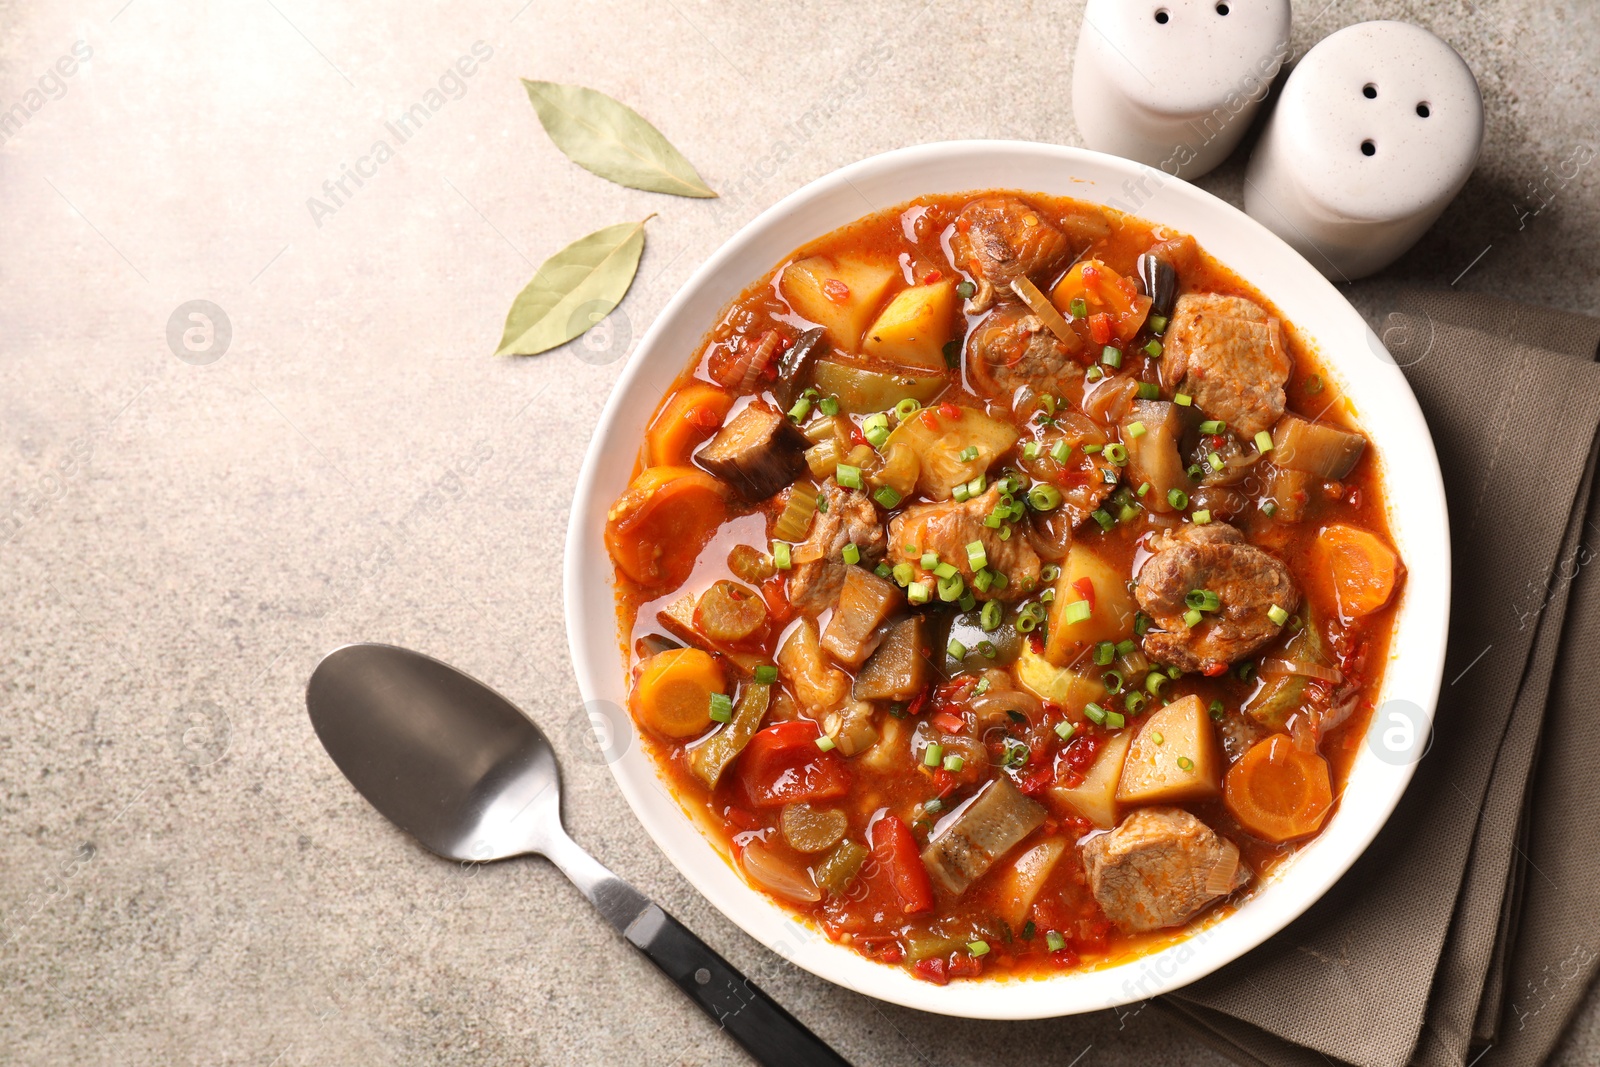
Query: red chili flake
948, 722
856, 436
1091, 275
1036, 643
932, 970
1036, 781
892, 953
1217, 440
914, 708
1100, 328
949, 410
1085, 588
932, 276
945, 782
835, 290
1215, 670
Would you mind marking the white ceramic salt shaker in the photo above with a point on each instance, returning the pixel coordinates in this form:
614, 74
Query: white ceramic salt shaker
1174, 83
1376, 130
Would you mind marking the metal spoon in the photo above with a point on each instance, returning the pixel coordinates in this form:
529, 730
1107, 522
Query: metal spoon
465, 772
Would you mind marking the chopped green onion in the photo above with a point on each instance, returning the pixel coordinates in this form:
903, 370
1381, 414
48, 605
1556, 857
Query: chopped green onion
918, 593
1183, 400
1112, 680
965, 290
1153, 349
1269, 509
781, 558
1178, 498
1060, 451
1191, 618
1141, 624
1153, 683
1077, 611
903, 573
851, 554
1203, 600
960, 494
1104, 653
1111, 356
990, 618
1134, 702
1125, 646
1103, 518
1216, 710
1065, 730
1313, 385
1031, 450
1047, 596
1096, 713
1214, 461
956, 649
1116, 453
929, 560
847, 476
888, 497
975, 487
1115, 721
1044, 497
1095, 373
1245, 671
1158, 324
1185, 763
1054, 941
950, 589
1134, 430
952, 353
968, 454
801, 409
953, 764
876, 429
766, 674
829, 406
721, 707
967, 602
933, 755
933, 807
1149, 391
978, 948
977, 558
1049, 572
995, 518
1277, 615
982, 580
1079, 308
1144, 488
1157, 737
1028, 930
825, 743
1201, 517
906, 408
944, 570
1049, 403
1213, 426
1264, 442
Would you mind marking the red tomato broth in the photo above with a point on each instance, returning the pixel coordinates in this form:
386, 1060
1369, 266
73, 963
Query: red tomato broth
874, 914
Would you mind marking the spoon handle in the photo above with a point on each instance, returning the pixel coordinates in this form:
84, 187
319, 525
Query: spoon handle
773, 1036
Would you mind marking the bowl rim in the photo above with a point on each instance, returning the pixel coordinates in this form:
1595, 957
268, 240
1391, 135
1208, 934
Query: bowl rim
1390, 415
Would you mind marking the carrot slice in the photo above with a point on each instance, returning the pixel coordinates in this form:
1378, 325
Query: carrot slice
661, 522
692, 414
672, 692
1362, 568
1277, 792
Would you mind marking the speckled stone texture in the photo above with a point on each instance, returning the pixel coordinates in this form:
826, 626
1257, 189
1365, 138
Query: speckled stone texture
184, 876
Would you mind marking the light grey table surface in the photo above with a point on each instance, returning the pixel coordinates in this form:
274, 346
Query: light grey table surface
184, 876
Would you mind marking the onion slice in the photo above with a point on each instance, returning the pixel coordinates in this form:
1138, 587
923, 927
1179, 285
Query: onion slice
1279, 666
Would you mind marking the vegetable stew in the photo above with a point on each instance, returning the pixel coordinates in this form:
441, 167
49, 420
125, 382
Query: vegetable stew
1006, 588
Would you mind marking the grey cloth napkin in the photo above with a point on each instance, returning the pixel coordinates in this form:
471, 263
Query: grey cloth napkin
1466, 933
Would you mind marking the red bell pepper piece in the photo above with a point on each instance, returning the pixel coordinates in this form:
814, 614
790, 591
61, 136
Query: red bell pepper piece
782, 764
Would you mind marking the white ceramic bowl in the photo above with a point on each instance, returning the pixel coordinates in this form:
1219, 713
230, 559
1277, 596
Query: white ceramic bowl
1384, 406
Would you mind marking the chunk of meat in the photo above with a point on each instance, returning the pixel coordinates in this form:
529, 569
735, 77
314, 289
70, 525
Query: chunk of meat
1160, 868
848, 517
1013, 348
1215, 558
1227, 353
946, 529
999, 238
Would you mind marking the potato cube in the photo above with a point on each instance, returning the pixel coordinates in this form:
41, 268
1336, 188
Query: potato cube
840, 294
1077, 619
913, 329
1095, 798
1174, 757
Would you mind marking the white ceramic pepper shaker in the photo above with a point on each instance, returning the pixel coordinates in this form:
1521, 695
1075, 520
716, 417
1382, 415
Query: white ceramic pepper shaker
1376, 131
1174, 83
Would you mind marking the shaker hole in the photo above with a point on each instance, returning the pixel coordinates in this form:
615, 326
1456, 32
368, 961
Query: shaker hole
1423, 110
1368, 148
1370, 91
1222, 9
1163, 17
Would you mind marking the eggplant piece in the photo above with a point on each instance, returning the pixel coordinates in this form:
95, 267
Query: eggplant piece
654, 644
1153, 453
794, 367
864, 602
969, 841
1160, 280
1288, 492
899, 669
1315, 447
758, 453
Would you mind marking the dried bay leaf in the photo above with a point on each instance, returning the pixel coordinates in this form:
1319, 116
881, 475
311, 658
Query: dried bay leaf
573, 290
609, 138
